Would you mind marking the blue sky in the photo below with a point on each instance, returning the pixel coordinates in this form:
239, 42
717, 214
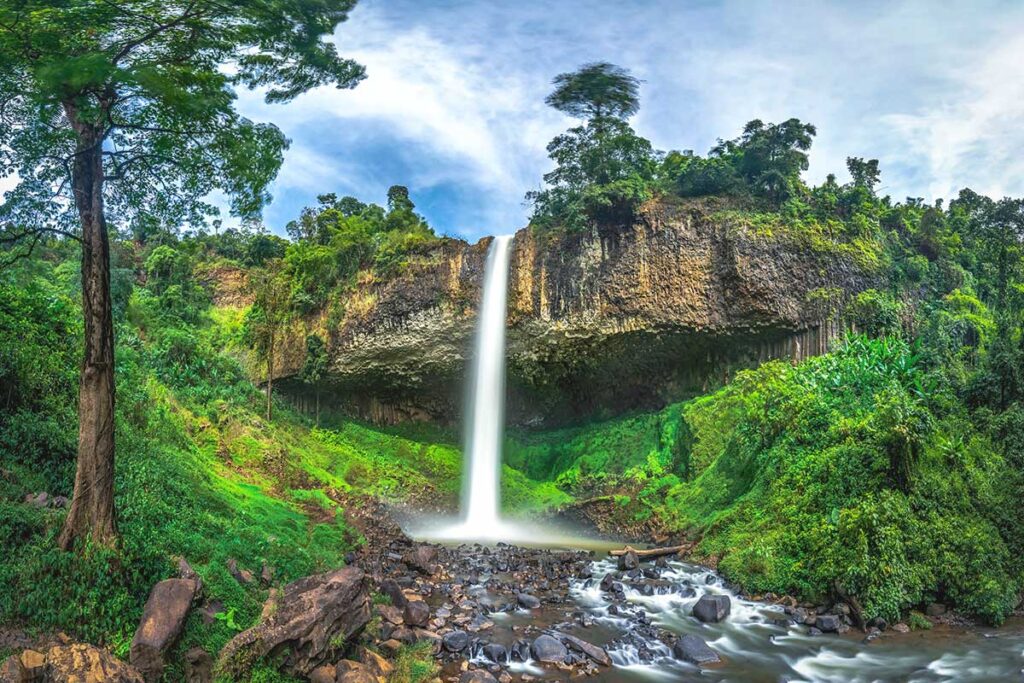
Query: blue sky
453, 103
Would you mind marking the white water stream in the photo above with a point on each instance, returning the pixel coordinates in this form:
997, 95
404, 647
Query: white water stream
486, 424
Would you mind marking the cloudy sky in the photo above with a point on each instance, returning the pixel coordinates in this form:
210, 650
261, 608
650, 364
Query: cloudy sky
453, 103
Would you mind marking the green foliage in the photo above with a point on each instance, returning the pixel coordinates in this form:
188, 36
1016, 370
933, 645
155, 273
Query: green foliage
415, 664
875, 313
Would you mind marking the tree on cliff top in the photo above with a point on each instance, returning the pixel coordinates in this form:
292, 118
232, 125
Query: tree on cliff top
124, 109
602, 169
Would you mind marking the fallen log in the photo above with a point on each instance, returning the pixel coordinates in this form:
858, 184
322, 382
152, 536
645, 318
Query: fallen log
649, 552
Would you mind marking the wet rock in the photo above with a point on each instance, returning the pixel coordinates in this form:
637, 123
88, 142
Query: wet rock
87, 664
935, 609
477, 676
496, 652
901, 628
879, 623
315, 615
455, 641
527, 601
712, 608
814, 631
608, 581
828, 623
417, 613
628, 561
693, 649
549, 650
198, 666
520, 650
163, 618
592, 651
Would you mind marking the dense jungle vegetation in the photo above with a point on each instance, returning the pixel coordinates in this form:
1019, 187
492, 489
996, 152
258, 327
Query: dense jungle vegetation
889, 470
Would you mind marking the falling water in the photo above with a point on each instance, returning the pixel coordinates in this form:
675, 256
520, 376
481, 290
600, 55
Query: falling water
486, 424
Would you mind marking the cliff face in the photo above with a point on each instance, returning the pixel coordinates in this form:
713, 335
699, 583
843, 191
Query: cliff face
599, 323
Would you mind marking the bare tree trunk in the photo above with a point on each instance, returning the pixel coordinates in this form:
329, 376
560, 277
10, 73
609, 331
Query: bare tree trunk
92, 504
270, 372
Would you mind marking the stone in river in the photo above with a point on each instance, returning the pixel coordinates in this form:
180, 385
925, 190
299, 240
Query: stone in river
712, 608
628, 561
528, 601
693, 649
828, 623
549, 650
478, 676
456, 641
496, 652
417, 613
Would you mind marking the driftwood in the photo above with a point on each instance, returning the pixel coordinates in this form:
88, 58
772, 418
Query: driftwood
650, 552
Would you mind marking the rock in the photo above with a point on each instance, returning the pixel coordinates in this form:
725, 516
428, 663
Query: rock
34, 664
354, 672
828, 623
266, 574
163, 619
391, 645
377, 665
323, 674
693, 649
712, 608
422, 559
417, 613
455, 641
39, 500
315, 616
590, 650
80, 663
198, 666
527, 601
391, 614
11, 671
549, 650
901, 628
607, 581
242, 576
496, 652
879, 623
935, 609
394, 591
629, 561
477, 676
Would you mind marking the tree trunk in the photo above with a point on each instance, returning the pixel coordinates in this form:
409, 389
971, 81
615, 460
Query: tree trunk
270, 373
318, 406
91, 514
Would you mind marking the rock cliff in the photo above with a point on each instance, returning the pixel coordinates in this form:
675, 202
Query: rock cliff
600, 323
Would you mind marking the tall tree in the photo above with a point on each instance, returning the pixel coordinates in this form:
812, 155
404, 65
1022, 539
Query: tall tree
596, 91
124, 110
270, 311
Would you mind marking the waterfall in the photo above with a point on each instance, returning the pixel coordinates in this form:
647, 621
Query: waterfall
485, 426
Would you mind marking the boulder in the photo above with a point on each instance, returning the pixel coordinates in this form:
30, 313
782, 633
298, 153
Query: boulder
391, 614
354, 672
693, 649
315, 616
455, 641
198, 666
477, 676
629, 561
549, 650
11, 671
712, 608
34, 664
417, 613
163, 619
80, 663
828, 623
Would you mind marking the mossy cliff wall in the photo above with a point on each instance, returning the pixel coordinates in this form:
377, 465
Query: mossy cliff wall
600, 323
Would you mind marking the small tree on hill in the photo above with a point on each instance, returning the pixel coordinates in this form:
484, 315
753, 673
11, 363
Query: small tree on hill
266, 319
315, 367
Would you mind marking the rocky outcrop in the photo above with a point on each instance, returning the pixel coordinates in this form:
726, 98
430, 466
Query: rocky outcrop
309, 624
599, 322
73, 663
